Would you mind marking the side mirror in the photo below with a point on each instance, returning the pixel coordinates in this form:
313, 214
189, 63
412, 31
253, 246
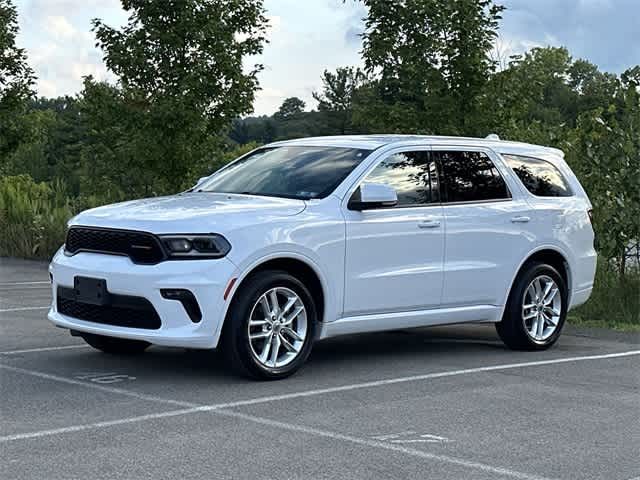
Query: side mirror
199, 182
373, 195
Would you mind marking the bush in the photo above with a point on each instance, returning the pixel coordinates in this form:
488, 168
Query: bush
615, 301
33, 217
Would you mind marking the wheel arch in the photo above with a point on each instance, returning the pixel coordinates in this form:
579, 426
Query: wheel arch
551, 255
299, 266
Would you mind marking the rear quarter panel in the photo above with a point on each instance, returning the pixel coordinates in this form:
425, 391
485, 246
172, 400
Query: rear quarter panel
562, 224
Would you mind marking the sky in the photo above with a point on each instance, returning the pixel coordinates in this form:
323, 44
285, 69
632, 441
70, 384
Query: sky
308, 36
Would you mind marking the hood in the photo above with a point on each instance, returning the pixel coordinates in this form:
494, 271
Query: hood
200, 212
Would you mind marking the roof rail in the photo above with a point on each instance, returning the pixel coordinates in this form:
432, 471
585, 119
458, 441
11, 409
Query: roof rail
492, 136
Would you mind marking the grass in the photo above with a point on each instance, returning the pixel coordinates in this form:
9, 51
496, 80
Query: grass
614, 303
33, 217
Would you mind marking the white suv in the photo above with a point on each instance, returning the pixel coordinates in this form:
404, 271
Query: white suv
312, 238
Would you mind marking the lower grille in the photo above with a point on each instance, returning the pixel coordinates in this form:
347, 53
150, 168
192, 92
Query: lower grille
123, 311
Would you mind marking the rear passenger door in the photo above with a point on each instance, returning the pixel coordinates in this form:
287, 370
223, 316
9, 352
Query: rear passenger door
486, 223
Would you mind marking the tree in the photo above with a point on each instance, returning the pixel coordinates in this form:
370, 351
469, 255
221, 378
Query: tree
540, 95
431, 61
16, 83
181, 81
336, 97
605, 153
290, 107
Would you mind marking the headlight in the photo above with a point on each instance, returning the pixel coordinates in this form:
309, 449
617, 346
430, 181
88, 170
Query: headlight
195, 246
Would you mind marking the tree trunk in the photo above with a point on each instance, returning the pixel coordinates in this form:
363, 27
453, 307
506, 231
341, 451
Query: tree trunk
623, 262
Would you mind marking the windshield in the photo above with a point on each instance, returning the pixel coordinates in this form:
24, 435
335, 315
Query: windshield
290, 172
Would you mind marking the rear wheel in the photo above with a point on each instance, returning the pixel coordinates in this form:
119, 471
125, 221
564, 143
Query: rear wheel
121, 346
271, 326
536, 309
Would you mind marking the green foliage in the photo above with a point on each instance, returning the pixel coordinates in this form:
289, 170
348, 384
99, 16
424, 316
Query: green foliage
253, 129
181, 81
16, 83
222, 156
187, 55
539, 96
431, 62
268, 129
615, 301
33, 217
605, 153
337, 97
291, 107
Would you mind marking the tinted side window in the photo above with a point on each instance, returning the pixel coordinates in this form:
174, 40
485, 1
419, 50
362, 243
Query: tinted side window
539, 176
412, 174
471, 176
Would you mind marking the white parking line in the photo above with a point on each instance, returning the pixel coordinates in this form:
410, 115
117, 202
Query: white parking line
17, 288
22, 309
382, 445
43, 349
389, 436
428, 376
189, 407
91, 426
281, 425
102, 388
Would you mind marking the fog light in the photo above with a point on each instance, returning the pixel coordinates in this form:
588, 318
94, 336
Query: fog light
186, 298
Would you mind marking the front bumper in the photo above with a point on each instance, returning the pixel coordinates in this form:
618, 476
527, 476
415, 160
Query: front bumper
206, 279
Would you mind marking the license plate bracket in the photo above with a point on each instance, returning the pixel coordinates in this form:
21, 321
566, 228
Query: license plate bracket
91, 290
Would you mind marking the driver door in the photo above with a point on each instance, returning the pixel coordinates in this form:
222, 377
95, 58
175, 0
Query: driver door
395, 255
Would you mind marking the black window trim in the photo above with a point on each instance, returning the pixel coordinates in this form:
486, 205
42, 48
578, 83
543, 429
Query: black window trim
442, 176
435, 148
526, 190
362, 179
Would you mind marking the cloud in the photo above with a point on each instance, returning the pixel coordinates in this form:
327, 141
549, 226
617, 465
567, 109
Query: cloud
46, 88
307, 38
267, 98
605, 32
59, 27
59, 42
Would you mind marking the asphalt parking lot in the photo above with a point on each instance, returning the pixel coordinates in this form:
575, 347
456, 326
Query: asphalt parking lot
440, 403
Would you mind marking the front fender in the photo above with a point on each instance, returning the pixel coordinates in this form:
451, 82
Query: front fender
332, 297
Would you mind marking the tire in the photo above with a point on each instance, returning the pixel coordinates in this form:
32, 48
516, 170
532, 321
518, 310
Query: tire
520, 327
115, 346
243, 353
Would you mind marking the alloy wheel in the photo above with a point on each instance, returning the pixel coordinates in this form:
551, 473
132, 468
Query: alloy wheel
541, 308
277, 327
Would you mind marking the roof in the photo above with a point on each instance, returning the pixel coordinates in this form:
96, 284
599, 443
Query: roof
372, 142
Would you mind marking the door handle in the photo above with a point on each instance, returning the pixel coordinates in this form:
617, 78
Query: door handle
520, 219
429, 224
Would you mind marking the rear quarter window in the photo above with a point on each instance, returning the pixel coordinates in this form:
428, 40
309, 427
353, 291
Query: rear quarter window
538, 176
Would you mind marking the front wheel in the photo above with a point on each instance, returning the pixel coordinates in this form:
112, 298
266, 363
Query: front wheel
536, 309
116, 346
271, 326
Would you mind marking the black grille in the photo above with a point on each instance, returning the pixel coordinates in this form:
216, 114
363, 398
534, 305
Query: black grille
141, 247
136, 312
